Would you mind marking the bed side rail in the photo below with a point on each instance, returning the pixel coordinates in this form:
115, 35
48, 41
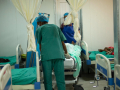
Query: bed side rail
37, 67
5, 78
84, 47
103, 65
19, 51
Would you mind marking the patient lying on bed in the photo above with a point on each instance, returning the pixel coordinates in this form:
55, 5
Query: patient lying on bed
75, 52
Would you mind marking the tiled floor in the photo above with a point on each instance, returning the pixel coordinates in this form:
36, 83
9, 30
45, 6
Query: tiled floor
85, 82
86, 79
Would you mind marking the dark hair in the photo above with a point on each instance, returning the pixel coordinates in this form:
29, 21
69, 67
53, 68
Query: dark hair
45, 22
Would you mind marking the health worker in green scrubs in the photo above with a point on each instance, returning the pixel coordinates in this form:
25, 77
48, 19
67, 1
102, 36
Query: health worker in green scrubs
53, 52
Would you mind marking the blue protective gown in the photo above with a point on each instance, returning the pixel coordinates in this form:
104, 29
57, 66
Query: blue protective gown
68, 31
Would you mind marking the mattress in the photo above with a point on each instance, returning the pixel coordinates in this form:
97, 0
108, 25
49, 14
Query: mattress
92, 55
12, 60
24, 76
69, 63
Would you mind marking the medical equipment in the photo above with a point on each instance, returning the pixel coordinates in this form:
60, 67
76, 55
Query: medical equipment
117, 77
102, 66
87, 59
14, 60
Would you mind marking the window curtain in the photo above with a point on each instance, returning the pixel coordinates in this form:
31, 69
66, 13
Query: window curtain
29, 10
75, 6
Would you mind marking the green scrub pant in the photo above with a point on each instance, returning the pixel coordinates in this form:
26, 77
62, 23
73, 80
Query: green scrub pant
58, 66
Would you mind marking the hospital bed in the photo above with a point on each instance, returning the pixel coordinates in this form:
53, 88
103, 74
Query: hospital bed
14, 60
90, 61
69, 67
117, 77
5, 78
103, 66
26, 78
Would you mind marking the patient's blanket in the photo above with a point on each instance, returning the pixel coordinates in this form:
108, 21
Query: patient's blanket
93, 54
75, 52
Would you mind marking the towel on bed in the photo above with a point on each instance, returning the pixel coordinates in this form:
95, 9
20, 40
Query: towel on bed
75, 52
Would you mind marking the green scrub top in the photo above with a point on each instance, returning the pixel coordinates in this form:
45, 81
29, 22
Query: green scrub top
50, 37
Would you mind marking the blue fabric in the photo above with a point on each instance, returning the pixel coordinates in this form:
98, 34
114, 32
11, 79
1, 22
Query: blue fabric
35, 25
68, 31
42, 18
66, 14
31, 57
35, 28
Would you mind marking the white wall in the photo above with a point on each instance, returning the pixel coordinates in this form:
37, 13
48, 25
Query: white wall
61, 8
98, 24
13, 29
48, 7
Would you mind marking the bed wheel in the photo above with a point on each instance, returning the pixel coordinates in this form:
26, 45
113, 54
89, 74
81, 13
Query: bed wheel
107, 88
97, 77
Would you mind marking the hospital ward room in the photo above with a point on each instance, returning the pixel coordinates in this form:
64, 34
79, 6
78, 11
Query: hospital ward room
59, 44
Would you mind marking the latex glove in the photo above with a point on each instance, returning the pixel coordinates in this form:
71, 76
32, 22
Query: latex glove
67, 56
